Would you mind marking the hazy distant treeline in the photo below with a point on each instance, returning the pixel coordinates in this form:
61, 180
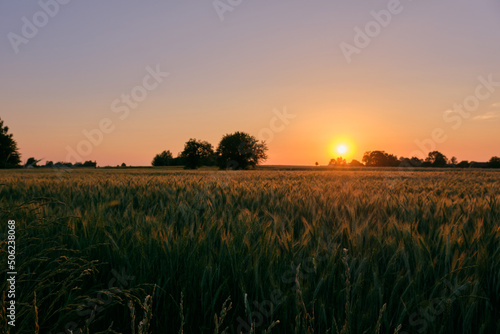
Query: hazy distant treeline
433, 159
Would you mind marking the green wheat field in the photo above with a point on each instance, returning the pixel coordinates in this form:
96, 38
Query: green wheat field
265, 251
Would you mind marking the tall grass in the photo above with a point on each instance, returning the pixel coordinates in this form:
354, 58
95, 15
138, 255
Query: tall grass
158, 251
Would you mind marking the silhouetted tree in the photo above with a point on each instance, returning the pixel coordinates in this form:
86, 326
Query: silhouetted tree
178, 160
89, 163
453, 161
165, 158
356, 163
61, 164
9, 154
404, 162
240, 151
49, 164
476, 164
436, 159
124, 164
338, 162
416, 162
197, 153
392, 160
463, 164
410, 162
494, 162
316, 163
31, 163
380, 159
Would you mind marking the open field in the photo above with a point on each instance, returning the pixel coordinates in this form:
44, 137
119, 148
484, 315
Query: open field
335, 251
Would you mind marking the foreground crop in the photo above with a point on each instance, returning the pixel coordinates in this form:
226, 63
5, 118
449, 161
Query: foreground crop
339, 251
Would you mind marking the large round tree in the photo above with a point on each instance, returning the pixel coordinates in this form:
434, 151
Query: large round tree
197, 153
165, 158
9, 155
436, 159
494, 162
240, 150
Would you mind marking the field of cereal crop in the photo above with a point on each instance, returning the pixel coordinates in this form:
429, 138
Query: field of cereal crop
338, 251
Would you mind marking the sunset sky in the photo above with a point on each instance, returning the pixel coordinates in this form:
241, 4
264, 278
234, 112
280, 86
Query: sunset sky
306, 76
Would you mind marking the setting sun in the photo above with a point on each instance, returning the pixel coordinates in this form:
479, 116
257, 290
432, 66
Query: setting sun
343, 146
342, 149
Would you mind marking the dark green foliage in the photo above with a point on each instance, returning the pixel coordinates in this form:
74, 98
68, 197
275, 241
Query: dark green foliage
89, 163
240, 150
380, 159
436, 159
197, 153
494, 162
9, 154
32, 162
165, 158
410, 162
61, 164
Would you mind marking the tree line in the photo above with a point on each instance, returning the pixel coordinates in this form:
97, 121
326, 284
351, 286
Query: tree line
238, 150
433, 159
33, 163
10, 157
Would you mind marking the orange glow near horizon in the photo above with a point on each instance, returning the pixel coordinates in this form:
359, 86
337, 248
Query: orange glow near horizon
343, 147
